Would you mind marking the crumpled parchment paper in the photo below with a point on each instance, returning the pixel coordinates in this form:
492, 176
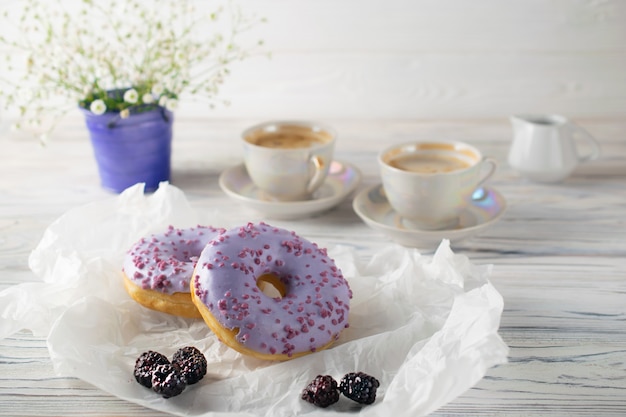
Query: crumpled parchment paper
426, 327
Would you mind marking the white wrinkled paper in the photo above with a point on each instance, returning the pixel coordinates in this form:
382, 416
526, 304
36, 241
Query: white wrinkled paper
426, 327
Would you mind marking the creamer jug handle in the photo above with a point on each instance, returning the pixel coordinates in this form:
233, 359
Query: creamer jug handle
595, 145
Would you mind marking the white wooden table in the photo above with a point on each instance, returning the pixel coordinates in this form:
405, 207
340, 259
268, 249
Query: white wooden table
559, 256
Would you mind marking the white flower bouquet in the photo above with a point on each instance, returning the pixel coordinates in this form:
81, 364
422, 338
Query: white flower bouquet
121, 56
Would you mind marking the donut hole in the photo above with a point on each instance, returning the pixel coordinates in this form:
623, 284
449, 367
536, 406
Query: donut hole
271, 285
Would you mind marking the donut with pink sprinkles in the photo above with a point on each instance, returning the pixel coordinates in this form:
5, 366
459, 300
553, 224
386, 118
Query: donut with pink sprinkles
269, 293
158, 268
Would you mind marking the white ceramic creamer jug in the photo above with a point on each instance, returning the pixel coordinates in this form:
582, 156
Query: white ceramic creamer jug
544, 147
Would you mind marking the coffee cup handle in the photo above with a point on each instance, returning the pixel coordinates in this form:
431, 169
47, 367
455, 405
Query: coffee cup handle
317, 165
493, 165
595, 145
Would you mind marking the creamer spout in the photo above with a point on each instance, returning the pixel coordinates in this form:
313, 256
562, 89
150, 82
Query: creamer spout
518, 122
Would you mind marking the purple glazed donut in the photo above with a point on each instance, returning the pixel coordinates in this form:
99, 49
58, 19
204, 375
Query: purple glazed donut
304, 309
158, 268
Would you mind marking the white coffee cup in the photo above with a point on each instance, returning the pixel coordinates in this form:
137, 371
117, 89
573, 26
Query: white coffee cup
288, 160
430, 183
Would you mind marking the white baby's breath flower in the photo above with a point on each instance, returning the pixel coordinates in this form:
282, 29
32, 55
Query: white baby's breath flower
26, 95
147, 98
124, 114
171, 104
98, 107
83, 53
131, 96
157, 89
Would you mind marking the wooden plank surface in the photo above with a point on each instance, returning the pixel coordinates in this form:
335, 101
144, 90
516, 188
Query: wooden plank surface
559, 256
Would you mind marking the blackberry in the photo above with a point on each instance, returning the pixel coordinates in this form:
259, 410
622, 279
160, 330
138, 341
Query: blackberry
191, 364
359, 386
145, 364
167, 381
322, 391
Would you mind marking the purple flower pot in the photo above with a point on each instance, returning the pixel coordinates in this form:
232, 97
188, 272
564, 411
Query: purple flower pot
132, 150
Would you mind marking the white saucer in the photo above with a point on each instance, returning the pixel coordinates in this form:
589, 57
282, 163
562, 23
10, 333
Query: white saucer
341, 181
372, 206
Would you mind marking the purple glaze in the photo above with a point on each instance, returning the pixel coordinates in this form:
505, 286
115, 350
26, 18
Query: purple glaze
165, 261
311, 314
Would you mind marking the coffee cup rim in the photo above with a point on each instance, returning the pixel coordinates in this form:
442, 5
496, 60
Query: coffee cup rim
312, 124
456, 143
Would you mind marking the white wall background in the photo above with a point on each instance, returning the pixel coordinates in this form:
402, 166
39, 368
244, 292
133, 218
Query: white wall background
429, 59
408, 59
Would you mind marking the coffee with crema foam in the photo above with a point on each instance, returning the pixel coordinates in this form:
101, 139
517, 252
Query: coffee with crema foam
428, 163
289, 137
